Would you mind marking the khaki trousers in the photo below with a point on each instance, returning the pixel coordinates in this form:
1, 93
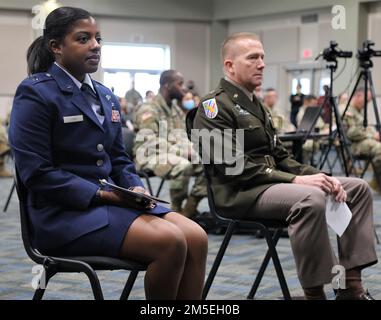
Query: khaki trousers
304, 208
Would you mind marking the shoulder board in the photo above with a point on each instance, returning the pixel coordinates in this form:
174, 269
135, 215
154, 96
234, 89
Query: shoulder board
102, 87
100, 84
40, 77
212, 94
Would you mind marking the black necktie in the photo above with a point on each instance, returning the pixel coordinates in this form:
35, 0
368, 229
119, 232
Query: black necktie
92, 97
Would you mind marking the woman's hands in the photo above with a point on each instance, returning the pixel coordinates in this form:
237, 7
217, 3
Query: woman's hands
329, 185
116, 197
139, 190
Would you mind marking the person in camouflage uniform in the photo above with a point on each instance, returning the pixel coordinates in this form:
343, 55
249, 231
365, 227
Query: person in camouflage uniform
364, 141
162, 145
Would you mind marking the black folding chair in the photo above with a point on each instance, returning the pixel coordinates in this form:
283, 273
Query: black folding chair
359, 169
234, 224
11, 190
8, 153
87, 264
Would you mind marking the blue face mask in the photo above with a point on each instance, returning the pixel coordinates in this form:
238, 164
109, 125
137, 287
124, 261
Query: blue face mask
188, 104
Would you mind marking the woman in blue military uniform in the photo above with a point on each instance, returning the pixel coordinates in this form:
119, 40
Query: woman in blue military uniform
65, 134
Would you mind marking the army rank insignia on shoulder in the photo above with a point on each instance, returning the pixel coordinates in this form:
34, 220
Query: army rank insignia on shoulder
210, 108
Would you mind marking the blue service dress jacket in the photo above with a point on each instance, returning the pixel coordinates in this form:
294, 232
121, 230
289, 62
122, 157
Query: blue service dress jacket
61, 151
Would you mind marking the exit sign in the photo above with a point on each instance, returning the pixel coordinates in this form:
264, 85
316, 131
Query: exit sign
307, 53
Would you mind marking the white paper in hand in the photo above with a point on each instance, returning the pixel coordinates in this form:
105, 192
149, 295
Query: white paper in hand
338, 215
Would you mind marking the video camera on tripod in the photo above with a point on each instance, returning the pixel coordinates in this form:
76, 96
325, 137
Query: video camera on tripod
366, 53
331, 53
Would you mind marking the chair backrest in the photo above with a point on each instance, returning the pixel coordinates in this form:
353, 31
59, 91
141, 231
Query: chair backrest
26, 229
213, 210
310, 117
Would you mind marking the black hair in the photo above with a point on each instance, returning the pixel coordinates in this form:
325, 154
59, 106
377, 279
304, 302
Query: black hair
57, 25
167, 77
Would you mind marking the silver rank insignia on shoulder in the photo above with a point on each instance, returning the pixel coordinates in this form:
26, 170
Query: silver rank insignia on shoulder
241, 111
108, 97
268, 170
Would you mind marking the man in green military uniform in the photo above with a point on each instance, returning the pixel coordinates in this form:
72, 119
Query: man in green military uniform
166, 150
4, 150
364, 141
267, 183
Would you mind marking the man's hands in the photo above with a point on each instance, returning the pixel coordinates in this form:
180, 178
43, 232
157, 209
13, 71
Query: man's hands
329, 185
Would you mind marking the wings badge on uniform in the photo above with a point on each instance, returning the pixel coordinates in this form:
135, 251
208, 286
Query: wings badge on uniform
210, 108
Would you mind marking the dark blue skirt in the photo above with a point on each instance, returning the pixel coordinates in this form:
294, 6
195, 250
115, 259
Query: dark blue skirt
106, 241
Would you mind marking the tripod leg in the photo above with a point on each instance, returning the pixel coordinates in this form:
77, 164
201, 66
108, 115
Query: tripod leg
344, 144
378, 125
352, 94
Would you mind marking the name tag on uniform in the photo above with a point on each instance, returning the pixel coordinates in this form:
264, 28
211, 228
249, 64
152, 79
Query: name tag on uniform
71, 119
115, 116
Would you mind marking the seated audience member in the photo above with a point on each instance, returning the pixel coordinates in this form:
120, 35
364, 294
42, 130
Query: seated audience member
187, 102
281, 122
149, 96
296, 101
169, 156
265, 182
65, 134
342, 103
364, 141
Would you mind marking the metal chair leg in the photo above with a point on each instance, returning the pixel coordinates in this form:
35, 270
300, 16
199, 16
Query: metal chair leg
145, 175
160, 187
264, 265
218, 259
95, 284
277, 265
9, 196
368, 162
39, 293
376, 235
129, 284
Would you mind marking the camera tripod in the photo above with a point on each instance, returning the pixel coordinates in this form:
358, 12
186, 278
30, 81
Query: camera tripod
343, 140
367, 76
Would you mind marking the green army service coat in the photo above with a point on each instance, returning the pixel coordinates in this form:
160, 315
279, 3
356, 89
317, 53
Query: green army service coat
265, 161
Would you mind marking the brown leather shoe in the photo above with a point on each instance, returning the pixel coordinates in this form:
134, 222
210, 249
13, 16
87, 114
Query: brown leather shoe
353, 295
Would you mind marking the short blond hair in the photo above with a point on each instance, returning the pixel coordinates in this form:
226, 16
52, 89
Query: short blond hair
229, 42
